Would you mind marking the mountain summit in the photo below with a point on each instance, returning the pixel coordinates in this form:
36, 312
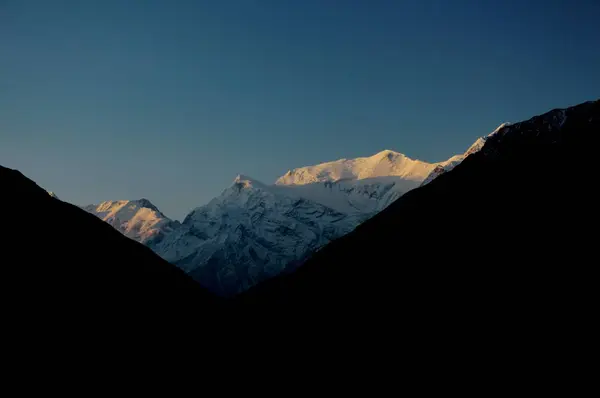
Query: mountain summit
254, 231
386, 163
137, 219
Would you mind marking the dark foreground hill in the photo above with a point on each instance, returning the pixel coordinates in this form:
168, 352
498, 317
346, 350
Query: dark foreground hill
506, 239
91, 278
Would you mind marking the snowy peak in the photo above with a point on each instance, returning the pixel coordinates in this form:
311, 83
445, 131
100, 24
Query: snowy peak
146, 204
386, 154
243, 181
136, 219
249, 233
386, 163
125, 208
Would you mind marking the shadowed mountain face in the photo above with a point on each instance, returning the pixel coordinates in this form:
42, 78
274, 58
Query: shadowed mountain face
508, 234
60, 262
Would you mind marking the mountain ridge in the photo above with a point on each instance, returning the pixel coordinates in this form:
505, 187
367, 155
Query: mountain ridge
253, 231
498, 254
385, 163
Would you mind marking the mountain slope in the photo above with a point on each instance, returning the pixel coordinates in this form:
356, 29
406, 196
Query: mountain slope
249, 233
505, 237
451, 163
137, 219
362, 185
77, 268
383, 164
254, 231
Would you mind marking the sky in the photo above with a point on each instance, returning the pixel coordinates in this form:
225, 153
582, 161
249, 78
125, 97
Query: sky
170, 100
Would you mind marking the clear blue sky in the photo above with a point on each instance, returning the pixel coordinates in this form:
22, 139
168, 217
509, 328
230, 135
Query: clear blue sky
169, 100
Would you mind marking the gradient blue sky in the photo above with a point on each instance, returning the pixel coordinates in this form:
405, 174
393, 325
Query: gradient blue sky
169, 100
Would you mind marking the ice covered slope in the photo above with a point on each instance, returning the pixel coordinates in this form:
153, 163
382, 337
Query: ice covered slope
249, 233
137, 219
363, 185
254, 231
383, 164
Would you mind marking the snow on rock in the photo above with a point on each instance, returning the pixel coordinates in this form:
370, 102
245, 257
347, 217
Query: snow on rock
354, 196
137, 219
249, 233
383, 164
254, 231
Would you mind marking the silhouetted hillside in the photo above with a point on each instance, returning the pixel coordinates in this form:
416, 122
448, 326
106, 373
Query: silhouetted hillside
505, 239
62, 265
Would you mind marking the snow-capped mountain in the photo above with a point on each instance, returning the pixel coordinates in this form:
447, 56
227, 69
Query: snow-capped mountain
383, 164
249, 233
444, 167
254, 231
137, 219
362, 185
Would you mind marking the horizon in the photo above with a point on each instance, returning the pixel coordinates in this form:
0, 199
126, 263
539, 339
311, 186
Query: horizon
248, 177
243, 176
170, 101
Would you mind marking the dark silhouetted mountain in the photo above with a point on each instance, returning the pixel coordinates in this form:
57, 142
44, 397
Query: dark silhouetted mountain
504, 240
62, 265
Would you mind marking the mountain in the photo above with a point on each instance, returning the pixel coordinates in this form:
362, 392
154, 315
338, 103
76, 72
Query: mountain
249, 233
137, 219
383, 164
62, 265
254, 231
448, 165
491, 261
501, 243
363, 185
